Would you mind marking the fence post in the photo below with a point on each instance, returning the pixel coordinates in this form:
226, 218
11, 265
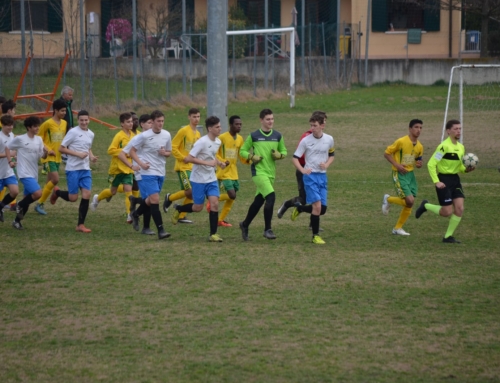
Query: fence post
82, 54
166, 69
324, 53
134, 46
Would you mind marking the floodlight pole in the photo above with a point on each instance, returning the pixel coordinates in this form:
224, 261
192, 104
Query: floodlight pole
23, 39
134, 46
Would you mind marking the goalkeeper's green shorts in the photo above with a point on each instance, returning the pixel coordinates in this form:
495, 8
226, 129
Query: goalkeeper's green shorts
264, 185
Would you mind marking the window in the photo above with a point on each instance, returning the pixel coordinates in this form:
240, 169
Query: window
401, 15
255, 12
39, 15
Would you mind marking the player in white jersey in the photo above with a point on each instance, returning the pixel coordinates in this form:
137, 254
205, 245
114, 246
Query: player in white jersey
7, 177
150, 151
146, 123
203, 179
30, 149
77, 145
318, 150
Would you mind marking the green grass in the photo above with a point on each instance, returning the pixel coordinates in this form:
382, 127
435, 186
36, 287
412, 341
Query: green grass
116, 306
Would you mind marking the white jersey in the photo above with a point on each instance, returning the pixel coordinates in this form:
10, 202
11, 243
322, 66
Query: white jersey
78, 140
148, 144
204, 149
315, 151
5, 170
126, 150
29, 151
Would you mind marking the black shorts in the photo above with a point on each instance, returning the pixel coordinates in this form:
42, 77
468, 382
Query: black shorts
300, 185
452, 190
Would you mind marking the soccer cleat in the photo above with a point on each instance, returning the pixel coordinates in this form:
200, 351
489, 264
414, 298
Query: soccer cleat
1, 215
17, 225
175, 215
295, 214
214, 238
129, 219
385, 205
162, 234
451, 239
147, 231
224, 224
244, 231
282, 210
318, 240
208, 207
135, 221
269, 234
95, 202
19, 212
82, 229
39, 209
421, 209
320, 229
399, 231
54, 196
185, 220
166, 203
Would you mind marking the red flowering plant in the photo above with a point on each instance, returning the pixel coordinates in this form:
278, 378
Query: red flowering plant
119, 28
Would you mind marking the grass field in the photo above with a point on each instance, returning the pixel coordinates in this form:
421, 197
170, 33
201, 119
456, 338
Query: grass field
116, 306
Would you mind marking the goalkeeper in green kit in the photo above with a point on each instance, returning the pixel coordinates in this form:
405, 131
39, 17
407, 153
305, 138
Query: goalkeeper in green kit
263, 147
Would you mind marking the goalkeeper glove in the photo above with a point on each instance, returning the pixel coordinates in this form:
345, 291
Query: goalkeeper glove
277, 155
254, 158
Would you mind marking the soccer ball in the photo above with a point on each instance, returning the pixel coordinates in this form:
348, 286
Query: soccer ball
470, 159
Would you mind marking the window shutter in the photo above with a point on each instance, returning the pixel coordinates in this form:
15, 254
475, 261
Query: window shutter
275, 12
379, 16
54, 16
5, 16
432, 13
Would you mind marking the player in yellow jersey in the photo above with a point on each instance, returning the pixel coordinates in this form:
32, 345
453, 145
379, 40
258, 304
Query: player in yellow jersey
229, 152
119, 173
404, 154
182, 144
52, 133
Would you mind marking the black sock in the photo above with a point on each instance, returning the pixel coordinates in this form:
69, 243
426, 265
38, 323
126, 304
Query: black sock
268, 216
315, 224
82, 211
214, 219
187, 208
155, 213
63, 194
147, 217
253, 210
26, 201
305, 209
289, 203
6, 200
142, 207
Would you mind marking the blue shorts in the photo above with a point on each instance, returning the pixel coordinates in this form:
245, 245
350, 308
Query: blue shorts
316, 187
150, 185
30, 185
200, 191
12, 180
78, 179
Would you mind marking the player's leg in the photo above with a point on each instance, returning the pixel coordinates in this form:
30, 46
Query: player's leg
253, 210
458, 210
183, 177
152, 186
32, 192
213, 194
108, 193
406, 189
265, 188
231, 187
300, 199
12, 187
52, 181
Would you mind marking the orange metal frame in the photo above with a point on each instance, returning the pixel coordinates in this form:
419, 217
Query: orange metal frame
42, 96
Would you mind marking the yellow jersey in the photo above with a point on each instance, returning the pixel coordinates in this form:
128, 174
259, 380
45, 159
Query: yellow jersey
52, 134
120, 140
182, 144
405, 152
230, 151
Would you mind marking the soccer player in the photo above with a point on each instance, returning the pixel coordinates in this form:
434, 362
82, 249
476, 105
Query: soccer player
77, 145
404, 154
52, 133
229, 151
263, 147
150, 152
203, 180
318, 151
7, 176
29, 149
444, 166
182, 144
145, 123
119, 173
8, 109
301, 198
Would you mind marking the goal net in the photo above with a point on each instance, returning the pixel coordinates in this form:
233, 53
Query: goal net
474, 99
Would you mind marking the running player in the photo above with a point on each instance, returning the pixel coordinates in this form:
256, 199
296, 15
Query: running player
404, 154
7, 176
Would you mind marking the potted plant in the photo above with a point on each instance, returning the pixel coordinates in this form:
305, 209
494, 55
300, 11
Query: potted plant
121, 31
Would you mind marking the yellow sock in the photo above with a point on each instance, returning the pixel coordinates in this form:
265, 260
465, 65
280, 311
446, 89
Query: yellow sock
136, 193
396, 201
46, 192
2, 193
223, 197
120, 189
185, 202
127, 201
403, 217
106, 193
226, 209
178, 195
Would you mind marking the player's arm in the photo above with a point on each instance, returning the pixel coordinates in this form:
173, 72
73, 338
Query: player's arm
418, 160
92, 157
299, 152
389, 156
114, 148
177, 145
331, 158
123, 158
432, 166
245, 151
282, 147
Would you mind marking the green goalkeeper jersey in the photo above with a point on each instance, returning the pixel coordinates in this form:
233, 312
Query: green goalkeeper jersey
261, 144
447, 159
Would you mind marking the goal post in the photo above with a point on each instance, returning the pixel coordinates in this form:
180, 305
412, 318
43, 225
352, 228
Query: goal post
271, 31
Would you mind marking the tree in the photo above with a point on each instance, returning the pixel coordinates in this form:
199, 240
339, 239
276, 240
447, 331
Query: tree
154, 28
